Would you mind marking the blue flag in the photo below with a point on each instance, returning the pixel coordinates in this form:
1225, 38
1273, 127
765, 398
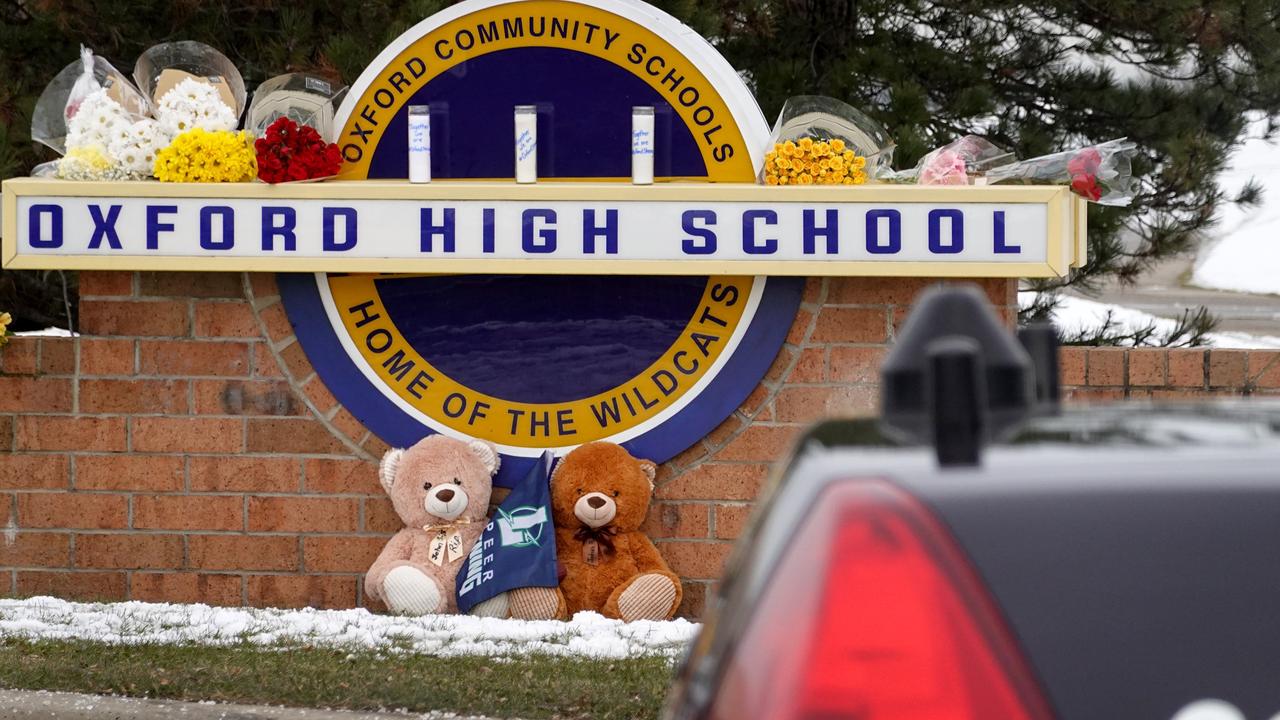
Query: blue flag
518, 547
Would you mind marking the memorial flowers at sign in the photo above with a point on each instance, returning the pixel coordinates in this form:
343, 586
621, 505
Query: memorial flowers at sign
808, 163
822, 141
193, 104
961, 162
182, 125
5, 321
1099, 173
291, 152
202, 156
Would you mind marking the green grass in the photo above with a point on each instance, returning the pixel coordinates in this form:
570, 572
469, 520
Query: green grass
532, 687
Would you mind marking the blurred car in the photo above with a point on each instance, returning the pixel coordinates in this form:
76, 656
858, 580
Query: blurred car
1083, 563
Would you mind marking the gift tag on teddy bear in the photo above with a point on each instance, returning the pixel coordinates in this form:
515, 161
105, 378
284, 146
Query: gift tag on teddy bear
455, 546
445, 547
591, 551
435, 551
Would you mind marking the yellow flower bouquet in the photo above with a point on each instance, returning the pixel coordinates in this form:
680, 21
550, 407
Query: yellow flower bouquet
814, 162
822, 141
205, 156
5, 320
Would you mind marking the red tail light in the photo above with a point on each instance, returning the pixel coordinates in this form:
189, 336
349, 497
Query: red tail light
874, 614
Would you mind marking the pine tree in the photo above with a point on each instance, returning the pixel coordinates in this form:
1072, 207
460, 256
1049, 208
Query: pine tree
1178, 77
331, 38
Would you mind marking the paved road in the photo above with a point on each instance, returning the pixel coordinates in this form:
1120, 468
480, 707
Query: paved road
29, 705
1162, 292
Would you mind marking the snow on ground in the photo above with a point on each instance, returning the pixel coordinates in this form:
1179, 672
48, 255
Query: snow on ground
47, 332
1075, 314
1247, 257
136, 623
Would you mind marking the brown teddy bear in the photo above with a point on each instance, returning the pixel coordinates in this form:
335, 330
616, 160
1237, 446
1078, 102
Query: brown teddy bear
599, 498
440, 488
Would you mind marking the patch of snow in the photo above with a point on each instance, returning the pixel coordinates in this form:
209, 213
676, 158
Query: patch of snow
1246, 258
47, 332
1076, 314
137, 623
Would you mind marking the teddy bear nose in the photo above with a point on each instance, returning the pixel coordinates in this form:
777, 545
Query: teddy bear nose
595, 502
445, 495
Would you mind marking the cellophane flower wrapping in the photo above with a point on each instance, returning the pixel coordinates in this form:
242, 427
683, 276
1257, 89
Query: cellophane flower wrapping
63, 97
1101, 173
305, 99
162, 64
289, 152
959, 162
823, 141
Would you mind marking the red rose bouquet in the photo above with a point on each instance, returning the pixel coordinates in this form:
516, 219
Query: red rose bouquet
289, 152
1098, 173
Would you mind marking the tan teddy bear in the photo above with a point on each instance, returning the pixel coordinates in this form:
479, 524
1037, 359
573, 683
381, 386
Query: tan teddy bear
440, 488
599, 498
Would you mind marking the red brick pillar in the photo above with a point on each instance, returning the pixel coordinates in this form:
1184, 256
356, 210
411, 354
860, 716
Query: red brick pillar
181, 449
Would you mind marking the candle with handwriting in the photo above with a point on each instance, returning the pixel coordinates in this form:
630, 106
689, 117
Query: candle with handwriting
526, 143
419, 143
642, 145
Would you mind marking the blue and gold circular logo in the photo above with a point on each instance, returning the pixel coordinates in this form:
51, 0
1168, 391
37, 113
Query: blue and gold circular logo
546, 361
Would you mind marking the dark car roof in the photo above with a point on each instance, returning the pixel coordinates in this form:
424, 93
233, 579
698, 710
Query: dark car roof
1236, 423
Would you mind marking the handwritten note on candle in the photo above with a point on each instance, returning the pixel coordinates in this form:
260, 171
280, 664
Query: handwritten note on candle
419, 137
525, 144
641, 142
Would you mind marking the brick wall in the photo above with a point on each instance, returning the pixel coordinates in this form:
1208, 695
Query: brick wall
1158, 373
183, 448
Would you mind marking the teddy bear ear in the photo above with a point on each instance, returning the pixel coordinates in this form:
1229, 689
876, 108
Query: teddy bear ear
487, 453
650, 471
387, 468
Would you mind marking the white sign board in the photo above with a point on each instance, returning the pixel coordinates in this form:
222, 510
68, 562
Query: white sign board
549, 228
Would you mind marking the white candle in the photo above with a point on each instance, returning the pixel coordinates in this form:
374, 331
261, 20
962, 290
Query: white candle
642, 145
419, 144
526, 144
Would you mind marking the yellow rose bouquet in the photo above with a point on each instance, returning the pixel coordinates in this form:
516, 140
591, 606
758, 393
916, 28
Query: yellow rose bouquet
5, 320
810, 162
822, 141
205, 156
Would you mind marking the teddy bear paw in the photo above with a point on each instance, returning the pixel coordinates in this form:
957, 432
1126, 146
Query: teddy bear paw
409, 592
497, 606
649, 597
536, 603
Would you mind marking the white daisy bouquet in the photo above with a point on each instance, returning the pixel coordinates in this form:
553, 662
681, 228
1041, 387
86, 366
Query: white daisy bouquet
135, 148
193, 104
104, 142
98, 121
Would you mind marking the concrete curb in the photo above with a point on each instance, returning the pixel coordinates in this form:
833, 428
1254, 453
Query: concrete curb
28, 704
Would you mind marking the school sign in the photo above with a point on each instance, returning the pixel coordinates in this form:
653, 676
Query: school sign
674, 229
542, 316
